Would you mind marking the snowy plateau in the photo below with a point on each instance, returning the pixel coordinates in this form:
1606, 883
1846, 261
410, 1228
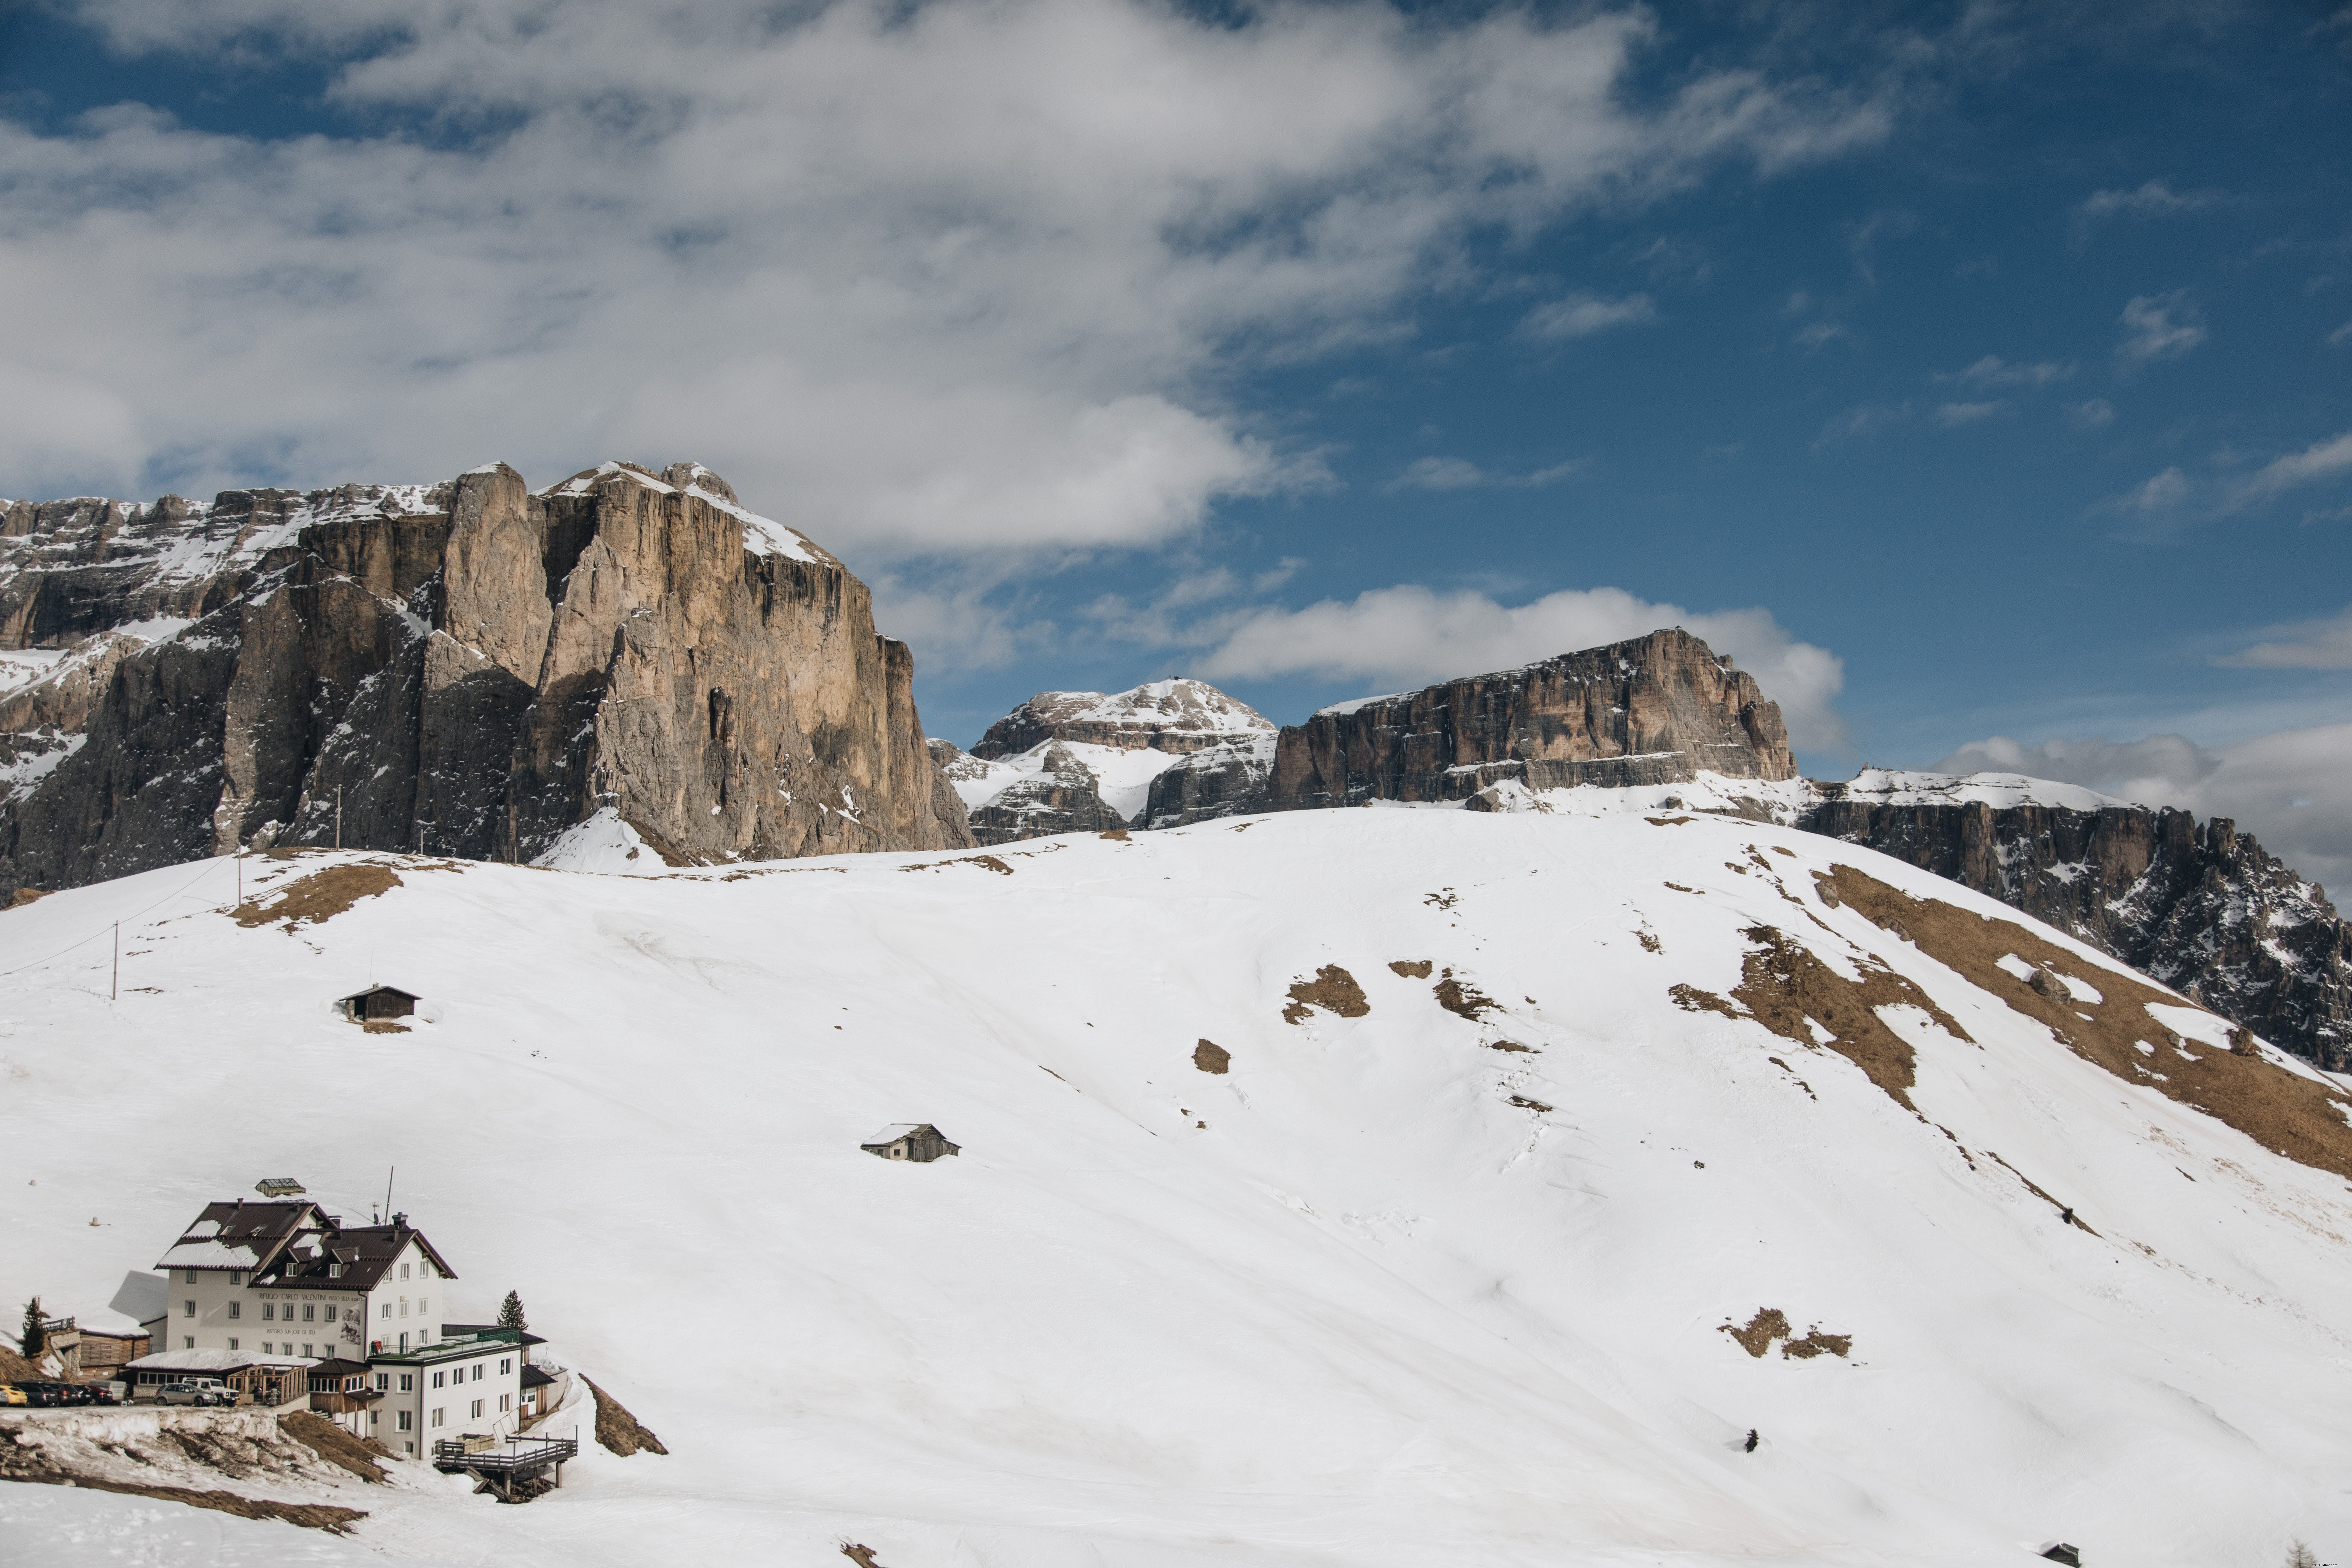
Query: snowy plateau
1554, 1153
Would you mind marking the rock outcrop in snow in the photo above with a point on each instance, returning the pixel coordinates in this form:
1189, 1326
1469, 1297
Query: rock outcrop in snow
1162, 754
469, 668
2198, 906
1651, 711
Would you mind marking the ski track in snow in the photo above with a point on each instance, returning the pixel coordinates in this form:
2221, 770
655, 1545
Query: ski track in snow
1372, 1314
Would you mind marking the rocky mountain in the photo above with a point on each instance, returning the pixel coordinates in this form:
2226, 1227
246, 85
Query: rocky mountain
2198, 905
470, 667
1651, 711
1159, 755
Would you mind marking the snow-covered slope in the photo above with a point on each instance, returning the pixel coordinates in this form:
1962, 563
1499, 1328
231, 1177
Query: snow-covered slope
1390, 1291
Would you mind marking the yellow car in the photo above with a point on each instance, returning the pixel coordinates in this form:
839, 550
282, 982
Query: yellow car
11, 1394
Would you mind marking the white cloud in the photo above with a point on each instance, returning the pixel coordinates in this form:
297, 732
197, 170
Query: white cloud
1410, 636
955, 279
1440, 474
2321, 461
2159, 326
2301, 645
2161, 493
2291, 789
1951, 416
1864, 420
1994, 371
2091, 413
1460, 474
2157, 198
1582, 315
2174, 492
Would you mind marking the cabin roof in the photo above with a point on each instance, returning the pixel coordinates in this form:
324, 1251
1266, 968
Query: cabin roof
381, 991
895, 1132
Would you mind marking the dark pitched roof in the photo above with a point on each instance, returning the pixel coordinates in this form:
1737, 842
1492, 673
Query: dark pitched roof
532, 1377
240, 1235
363, 1253
380, 990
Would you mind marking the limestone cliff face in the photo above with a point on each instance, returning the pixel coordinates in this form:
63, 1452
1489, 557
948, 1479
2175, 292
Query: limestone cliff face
1172, 716
2201, 908
470, 668
1656, 710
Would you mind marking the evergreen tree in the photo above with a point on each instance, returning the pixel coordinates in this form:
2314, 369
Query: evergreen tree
2301, 1556
32, 1339
510, 1313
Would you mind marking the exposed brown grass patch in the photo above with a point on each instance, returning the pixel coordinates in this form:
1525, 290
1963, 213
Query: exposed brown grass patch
1211, 1056
1691, 999
864, 1556
617, 1428
1524, 1103
1333, 989
334, 1444
1411, 968
1783, 984
1649, 941
24, 896
1770, 1323
383, 1027
1757, 1335
1668, 821
1463, 1000
1507, 1046
1678, 887
1118, 835
987, 862
2276, 1107
318, 896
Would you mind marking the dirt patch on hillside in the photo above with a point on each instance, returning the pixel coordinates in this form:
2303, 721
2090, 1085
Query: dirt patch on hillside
318, 896
1333, 989
2276, 1107
1411, 968
1770, 1323
987, 862
617, 1428
1211, 1056
24, 896
1508, 1046
1117, 834
30, 1461
1691, 999
1465, 1001
334, 1444
862, 1554
1524, 1103
1789, 990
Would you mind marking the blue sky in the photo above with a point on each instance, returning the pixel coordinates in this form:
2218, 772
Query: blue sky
1980, 376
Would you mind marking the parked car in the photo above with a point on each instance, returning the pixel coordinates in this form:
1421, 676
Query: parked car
196, 1391
11, 1394
40, 1393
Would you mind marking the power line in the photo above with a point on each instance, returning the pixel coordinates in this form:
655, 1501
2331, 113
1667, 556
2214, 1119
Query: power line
104, 928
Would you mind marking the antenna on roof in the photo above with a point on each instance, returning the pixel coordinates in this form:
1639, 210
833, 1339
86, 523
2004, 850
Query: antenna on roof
389, 1171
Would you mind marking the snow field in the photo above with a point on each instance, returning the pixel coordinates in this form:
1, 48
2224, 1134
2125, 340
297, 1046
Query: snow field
1371, 1313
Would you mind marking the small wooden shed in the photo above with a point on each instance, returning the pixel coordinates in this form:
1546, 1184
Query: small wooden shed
910, 1140
378, 1001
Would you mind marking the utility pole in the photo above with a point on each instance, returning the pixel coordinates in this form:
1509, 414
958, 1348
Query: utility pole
114, 992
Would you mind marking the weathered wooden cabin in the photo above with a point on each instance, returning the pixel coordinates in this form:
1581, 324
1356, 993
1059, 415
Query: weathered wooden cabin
379, 1002
910, 1140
